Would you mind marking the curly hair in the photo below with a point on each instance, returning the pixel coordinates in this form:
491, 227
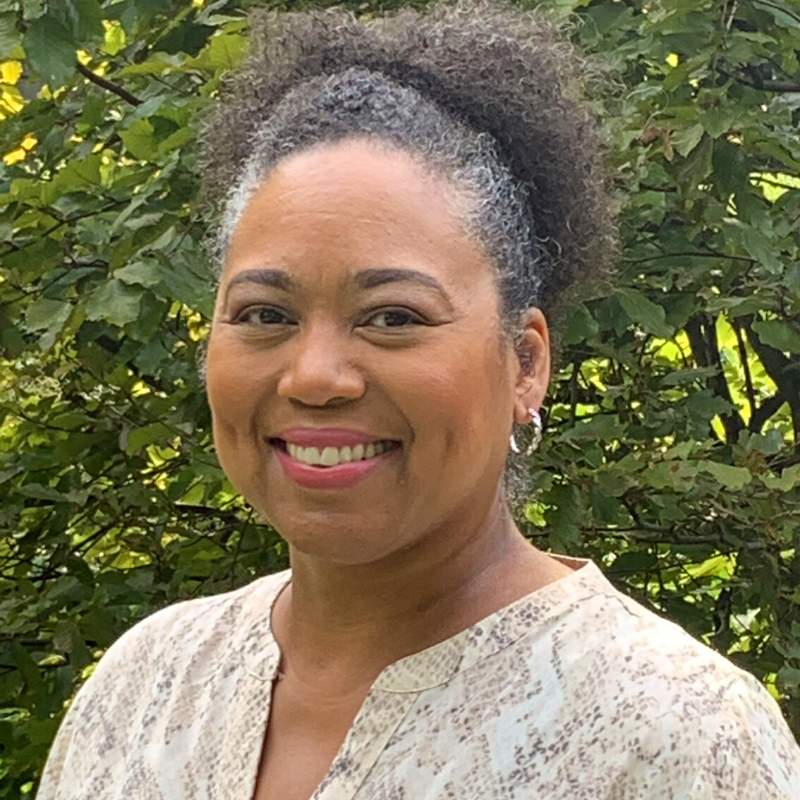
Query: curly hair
478, 91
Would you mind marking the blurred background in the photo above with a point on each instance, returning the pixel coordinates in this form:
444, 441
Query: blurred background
672, 441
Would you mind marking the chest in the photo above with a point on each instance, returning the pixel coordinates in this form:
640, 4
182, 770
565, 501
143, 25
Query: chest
304, 734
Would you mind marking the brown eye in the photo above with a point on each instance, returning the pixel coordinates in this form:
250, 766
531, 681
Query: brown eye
263, 315
394, 318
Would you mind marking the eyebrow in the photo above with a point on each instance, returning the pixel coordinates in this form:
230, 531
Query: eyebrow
365, 279
276, 278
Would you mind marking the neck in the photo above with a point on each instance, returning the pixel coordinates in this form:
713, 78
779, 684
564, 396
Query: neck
354, 620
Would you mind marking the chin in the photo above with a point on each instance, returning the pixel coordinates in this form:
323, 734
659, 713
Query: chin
339, 545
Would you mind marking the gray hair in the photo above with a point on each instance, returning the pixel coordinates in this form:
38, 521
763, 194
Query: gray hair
359, 103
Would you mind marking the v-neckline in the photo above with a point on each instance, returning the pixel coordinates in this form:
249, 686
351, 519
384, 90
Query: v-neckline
398, 685
346, 773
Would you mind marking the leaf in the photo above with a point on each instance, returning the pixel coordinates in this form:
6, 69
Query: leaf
50, 50
686, 376
633, 562
769, 443
678, 475
176, 140
139, 140
778, 334
144, 273
149, 434
114, 39
728, 476
563, 515
223, 51
604, 426
788, 480
754, 242
43, 313
10, 37
581, 326
64, 635
84, 18
40, 492
27, 667
717, 121
705, 405
686, 139
114, 302
79, 175
719, 566
789, 677
643, 312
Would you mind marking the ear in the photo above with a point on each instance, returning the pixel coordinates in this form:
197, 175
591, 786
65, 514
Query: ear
533, 350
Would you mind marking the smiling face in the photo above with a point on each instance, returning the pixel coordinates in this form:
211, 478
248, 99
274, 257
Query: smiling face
362, 393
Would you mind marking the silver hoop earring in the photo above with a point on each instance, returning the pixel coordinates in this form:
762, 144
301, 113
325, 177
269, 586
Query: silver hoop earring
536, 434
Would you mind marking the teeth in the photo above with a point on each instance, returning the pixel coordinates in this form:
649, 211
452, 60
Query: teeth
331, 456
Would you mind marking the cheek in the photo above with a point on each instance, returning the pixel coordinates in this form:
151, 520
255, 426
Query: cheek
461, 400
233, 390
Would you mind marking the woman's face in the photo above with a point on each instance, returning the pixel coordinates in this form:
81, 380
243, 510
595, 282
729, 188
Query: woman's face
356, 316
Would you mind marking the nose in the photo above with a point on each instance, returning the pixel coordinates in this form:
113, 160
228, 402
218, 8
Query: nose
319, 370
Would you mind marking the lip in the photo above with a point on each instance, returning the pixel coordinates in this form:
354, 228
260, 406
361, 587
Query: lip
328, 437
342, 476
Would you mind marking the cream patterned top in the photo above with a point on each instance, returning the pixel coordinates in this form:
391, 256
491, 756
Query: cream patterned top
574, 692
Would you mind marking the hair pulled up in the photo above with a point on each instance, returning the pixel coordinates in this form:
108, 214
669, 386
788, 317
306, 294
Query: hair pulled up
480, 91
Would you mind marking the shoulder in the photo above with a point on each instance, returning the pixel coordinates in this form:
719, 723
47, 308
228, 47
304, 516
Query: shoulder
673, 707
150, 678
192, 628
748, 749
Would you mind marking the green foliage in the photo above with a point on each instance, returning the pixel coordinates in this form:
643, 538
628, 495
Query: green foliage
672, 453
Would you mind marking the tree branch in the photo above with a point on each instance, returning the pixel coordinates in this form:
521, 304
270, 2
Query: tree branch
702, 334
748, 378
687, 254
767, 408
109, 86
759, 83
781, 369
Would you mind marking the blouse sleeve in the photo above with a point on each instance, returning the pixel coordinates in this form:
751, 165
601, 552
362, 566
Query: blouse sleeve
93, 734
752, 753
59, 763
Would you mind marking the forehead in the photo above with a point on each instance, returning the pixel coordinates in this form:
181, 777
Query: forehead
357, 204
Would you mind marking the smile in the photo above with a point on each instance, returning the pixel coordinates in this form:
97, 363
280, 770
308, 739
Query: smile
328, 456
328, 466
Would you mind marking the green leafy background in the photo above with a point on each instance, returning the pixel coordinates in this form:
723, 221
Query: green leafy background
672, 453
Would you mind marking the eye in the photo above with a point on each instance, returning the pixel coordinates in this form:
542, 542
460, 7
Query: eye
263, 315
394, 318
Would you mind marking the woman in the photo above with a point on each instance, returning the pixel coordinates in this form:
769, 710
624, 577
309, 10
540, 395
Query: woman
403, 202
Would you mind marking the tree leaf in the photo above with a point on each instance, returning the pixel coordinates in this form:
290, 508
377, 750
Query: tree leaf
728, 476
779, 334
139, 139
50, 49
114, 302
642, 311
84, 18
717, 121
754, 242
